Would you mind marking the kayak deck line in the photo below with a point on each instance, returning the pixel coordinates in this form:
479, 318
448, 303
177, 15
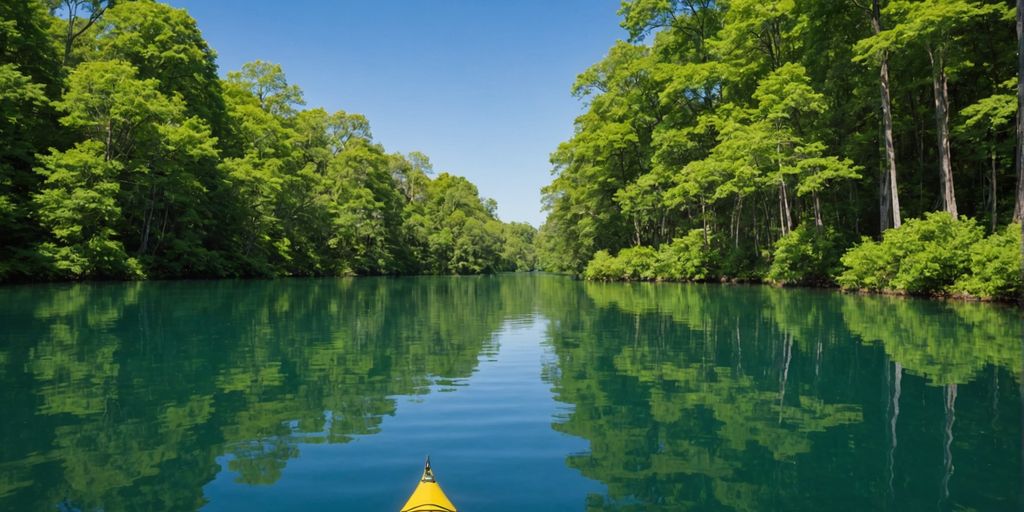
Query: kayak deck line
428, 496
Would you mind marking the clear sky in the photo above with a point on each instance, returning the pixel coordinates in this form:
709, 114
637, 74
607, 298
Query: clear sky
480, 86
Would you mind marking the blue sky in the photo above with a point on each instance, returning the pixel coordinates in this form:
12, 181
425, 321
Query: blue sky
481, 87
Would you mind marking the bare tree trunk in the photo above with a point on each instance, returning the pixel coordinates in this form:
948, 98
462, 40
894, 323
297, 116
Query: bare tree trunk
890, 197
941, 92
147, 222
69, 36
1018, 208
704, 221
737, 218
72, 6
785, 217
884, 203
992, 189
890, 146
817, 211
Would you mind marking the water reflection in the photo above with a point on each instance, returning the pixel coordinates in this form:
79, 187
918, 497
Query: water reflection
753, 398
133, 396
122, 396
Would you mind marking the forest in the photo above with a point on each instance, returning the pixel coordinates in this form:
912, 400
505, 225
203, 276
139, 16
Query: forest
125, 155
868, 144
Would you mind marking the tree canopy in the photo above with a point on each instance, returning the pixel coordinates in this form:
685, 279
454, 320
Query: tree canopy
123, 155
748, 119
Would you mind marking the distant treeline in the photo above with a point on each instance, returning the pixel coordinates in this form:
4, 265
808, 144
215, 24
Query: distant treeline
764, 140
124, 155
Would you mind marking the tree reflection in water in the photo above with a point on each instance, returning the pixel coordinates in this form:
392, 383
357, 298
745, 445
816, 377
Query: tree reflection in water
753, 398
133, 396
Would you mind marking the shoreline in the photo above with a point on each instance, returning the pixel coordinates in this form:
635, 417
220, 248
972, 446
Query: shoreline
942, 297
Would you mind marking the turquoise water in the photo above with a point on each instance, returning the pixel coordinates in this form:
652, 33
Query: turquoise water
531, 392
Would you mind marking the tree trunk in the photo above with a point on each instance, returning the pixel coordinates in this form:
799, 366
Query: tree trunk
148, 220
884, 203
71, 34
69, 38
941, 92
1018, 208
890, 197
704, 220
785, 218
817, 211
992, 188
734, 222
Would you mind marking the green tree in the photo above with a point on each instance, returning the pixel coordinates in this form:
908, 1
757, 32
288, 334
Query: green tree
985, 123
21, 101
29, 78
79, 207
889, 198
155, 148
935, 26
165, 44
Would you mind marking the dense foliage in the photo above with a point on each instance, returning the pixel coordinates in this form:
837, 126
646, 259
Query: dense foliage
690, 258
123, 154
760, 123
937, 255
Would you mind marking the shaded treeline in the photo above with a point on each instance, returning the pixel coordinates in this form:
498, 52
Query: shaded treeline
123, 154
774, 135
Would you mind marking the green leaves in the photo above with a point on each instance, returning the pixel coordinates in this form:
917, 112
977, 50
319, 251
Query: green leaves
164, 44
266, 82
924, 22
21, 100
689, 258
817, 172
740, 118
786, 94
79, 208
995, 266
107, 101
923, 256
161, 169
132, 183
994, 112
807, 255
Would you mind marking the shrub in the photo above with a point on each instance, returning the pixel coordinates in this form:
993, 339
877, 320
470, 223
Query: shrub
687, 258
604, 267
806, 255
994, 266
639, 263
923, 256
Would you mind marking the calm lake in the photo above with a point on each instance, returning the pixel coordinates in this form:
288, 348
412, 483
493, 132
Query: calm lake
529, 392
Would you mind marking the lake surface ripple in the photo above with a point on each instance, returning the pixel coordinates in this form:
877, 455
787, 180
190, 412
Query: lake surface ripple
530, 392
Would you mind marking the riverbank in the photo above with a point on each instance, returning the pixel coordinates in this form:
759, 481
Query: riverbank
936, 256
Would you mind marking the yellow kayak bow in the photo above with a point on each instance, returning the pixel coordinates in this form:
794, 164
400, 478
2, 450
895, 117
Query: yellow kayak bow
428, 496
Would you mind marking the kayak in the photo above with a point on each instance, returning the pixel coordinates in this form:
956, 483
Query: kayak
428, 496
